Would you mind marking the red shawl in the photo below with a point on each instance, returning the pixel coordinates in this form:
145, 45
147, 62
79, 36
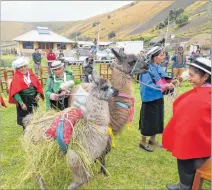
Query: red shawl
188, 133
2, 101
51, 56
18, 85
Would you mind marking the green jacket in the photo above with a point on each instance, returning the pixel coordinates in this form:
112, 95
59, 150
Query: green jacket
53, 86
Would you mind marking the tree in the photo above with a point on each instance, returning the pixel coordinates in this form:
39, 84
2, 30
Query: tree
179, 12
171, 14
181, 20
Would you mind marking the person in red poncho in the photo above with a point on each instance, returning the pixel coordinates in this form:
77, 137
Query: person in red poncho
188, 133
50, 57
25, 90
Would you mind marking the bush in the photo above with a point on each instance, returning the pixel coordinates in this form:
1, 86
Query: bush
173, 14
111, 35
109, 16
74, 34
95, 23
160, 25
145, 39
181, 20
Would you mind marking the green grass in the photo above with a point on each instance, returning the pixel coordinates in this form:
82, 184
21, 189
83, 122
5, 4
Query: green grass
128, 165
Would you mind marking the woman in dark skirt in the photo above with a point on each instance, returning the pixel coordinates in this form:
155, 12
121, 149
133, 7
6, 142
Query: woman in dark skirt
152, 110
25, 90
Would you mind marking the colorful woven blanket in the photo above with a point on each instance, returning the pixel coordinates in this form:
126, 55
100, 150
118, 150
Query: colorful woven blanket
62, 127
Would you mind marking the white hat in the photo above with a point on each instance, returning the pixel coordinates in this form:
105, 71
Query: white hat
19, 62
153, 51
57, 64
203, 64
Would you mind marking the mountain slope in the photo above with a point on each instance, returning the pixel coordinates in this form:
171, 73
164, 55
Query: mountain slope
135, 19
122, 21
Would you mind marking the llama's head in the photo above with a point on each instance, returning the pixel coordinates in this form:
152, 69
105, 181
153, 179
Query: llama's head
100, 88
129, 63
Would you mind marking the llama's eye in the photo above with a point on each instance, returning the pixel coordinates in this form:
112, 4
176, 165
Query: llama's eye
132, 63
105, 88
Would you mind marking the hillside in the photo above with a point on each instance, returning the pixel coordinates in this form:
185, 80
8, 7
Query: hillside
12, 29
133, 20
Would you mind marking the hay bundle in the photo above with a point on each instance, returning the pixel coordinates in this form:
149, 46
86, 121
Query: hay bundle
42, 153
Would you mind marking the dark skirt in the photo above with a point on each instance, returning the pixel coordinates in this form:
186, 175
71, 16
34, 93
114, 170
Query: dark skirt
30, 103
152, 118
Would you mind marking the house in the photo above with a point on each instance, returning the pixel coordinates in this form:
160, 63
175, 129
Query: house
85, 44
41, 38
89, 44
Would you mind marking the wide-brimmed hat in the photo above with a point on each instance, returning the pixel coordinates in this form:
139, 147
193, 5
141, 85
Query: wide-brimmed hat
202, 64
154, 52
57, 64
20, 62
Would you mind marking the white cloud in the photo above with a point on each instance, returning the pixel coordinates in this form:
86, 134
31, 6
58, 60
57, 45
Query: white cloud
56, 10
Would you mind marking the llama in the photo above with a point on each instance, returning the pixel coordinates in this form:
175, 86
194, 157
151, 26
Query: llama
123, 69
94, 132
122, 106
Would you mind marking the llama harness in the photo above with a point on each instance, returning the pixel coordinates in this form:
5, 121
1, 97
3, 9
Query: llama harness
125, 106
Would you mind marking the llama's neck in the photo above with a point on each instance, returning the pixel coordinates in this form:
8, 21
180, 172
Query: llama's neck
98, 111
121, 81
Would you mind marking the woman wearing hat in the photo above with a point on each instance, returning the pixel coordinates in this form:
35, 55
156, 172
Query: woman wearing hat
56, 97
152, 110
25, 89
188, 133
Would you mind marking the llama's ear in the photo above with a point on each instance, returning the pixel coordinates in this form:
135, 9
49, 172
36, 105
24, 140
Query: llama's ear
117, 54
95, 77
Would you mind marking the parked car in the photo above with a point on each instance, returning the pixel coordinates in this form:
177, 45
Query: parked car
77, 56
105, 55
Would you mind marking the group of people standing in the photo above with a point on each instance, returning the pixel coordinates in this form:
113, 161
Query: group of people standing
188, 134
26, 90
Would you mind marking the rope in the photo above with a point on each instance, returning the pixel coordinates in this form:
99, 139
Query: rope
147, 85
174, 93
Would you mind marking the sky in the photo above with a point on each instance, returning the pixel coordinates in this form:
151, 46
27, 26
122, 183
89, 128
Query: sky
38, 11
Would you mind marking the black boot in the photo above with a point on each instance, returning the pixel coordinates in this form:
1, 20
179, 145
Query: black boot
173, 187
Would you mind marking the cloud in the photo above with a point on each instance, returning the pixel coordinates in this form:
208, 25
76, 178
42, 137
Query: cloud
56, 10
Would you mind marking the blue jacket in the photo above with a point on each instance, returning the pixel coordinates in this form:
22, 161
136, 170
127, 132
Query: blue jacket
147, 93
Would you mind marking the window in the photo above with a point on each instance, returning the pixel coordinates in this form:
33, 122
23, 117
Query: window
43, 45
43, 30
28, 45
61, 46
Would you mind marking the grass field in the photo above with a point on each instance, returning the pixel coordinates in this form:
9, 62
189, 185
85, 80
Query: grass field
128, 165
